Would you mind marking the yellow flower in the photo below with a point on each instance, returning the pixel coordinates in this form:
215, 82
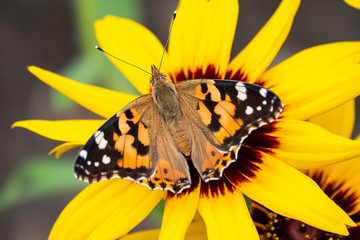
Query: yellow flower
310, 83
341, 182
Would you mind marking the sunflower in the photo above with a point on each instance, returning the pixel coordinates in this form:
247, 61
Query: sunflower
311, 82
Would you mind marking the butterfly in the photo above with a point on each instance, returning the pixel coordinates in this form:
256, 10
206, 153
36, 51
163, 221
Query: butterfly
153, 138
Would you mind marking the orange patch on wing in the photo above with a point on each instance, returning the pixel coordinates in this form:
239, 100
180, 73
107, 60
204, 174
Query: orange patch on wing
215, 93
211, 89
231, 108
207, 117
120, 144
221, 134
143, 134
199, 93
123, 125
115, 137
143, 161
226, 120
228, 106
204, 113
227, 98
130, 153
123, 120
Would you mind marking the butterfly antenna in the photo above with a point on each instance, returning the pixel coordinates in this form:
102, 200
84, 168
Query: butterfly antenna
167, 41
102, 50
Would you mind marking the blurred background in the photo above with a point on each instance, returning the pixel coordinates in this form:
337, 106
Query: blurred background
58, 35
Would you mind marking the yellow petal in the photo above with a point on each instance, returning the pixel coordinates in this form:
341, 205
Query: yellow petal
307, 63
353, 3
202, 35
308, 94
313, 59
105, 210
178, 213
101, 101
59, 150
196, 231
339, 120
132, 43
291, 193
64, 130
259, 53
306, 145
227, 216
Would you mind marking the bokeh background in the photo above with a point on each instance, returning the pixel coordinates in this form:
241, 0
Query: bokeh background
58, 35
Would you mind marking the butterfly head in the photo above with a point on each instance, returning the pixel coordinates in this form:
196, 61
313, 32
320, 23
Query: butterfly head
157, 78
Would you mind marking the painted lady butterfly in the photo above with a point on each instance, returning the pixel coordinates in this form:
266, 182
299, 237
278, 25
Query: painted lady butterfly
151, 139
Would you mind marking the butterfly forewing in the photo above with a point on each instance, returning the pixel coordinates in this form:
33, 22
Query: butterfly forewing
119, 148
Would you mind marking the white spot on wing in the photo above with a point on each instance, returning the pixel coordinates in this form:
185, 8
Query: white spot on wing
103, 143
100, 140
264, 102
96, 164
258, 108
83, 154
98, 135
249, 110
88, 162
263, 92
106, 159
240, 87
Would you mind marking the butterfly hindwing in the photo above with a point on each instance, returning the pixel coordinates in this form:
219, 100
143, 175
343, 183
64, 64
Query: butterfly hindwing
225, 112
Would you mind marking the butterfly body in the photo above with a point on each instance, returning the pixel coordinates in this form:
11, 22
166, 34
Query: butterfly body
165, 97
151, 140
